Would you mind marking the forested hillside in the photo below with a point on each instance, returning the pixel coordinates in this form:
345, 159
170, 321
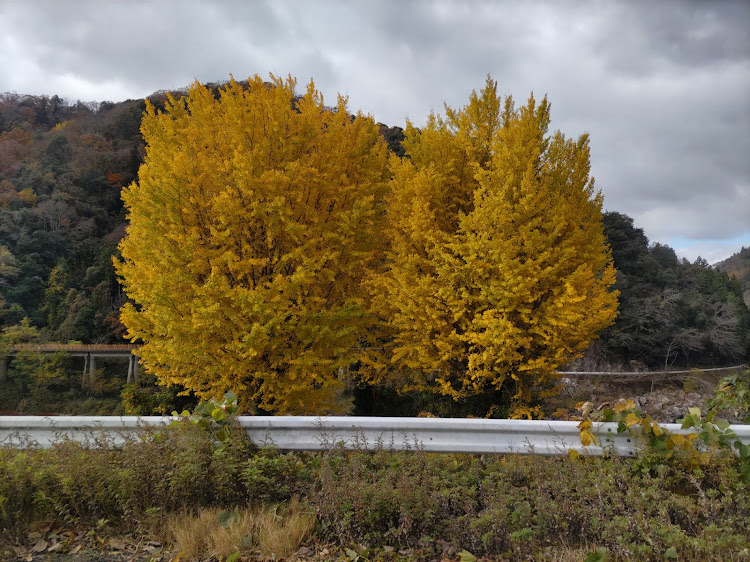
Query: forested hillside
738, 266
62, 169
672, 312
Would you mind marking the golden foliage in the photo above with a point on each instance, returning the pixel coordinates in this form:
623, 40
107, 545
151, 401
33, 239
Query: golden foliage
498, 270
256, 216
252, 222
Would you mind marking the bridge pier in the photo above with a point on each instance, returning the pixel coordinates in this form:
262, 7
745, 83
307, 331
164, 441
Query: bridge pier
133, 369
85, 377
92, 369
89, 370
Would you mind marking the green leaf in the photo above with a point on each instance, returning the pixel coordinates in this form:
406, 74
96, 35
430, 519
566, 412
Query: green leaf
234, 557
225, 518
722, 424
230, 396
599, 556
219, 414
223, 435
466, 556
671, 552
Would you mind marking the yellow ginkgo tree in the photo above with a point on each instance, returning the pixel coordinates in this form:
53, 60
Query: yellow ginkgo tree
498, 270
253, 220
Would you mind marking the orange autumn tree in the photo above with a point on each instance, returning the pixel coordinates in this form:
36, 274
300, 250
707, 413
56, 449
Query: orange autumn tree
253, 220
498, 270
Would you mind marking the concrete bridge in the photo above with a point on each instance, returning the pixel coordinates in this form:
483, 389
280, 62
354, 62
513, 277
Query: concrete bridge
88, 352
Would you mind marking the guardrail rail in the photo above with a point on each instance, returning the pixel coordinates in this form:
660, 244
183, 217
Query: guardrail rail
309, 433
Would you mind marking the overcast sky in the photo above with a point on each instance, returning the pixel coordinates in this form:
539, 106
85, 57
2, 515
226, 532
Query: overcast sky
662, 87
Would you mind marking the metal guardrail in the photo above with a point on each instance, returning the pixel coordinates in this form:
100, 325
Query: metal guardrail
694, 371
308, 433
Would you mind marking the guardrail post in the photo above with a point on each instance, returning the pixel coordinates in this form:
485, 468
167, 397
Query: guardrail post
3, 369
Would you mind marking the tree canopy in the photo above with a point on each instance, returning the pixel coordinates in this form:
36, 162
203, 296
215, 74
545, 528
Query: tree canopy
253, 221
498, 270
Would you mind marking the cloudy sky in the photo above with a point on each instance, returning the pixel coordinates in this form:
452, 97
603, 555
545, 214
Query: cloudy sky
662, 87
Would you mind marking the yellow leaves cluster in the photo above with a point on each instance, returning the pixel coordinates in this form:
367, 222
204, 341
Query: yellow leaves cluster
587, 436
251, 226
498, 270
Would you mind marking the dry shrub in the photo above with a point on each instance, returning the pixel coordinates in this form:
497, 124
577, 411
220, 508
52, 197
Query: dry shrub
274, 532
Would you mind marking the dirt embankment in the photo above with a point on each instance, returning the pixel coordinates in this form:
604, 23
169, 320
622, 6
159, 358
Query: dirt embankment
664, 400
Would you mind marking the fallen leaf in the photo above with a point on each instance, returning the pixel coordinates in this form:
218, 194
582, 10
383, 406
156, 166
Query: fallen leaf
75, 549
40, 546
117, 544
57, 547
466, 556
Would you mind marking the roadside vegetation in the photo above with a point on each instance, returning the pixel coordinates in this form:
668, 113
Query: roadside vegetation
178, 489
203, 491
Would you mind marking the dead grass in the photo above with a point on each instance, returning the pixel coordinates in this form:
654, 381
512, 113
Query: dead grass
275, 532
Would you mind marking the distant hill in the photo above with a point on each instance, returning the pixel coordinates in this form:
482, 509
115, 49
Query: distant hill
738, 265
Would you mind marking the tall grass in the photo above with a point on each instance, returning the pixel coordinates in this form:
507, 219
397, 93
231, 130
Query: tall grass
273, 532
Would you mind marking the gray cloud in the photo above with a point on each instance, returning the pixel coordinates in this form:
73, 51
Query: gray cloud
662, 87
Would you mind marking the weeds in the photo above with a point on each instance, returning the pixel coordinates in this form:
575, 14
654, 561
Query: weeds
273, 532
711, 438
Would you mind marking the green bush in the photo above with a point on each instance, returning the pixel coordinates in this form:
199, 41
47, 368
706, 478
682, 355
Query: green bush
149, 400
